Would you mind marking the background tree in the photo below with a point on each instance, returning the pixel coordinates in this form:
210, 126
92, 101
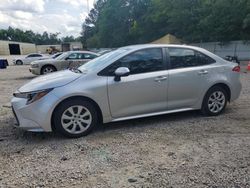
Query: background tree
122, 22
36, 38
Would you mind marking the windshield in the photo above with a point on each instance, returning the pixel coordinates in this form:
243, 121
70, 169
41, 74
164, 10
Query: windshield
97, 62
56, 55
62, 56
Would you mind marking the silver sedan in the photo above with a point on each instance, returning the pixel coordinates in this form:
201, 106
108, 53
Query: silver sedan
130, 82
29, 58
66, 60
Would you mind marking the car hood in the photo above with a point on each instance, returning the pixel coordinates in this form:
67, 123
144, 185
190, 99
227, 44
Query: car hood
51, 80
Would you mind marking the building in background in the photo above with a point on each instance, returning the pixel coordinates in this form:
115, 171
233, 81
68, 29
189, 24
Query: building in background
50, 49
16, 48
20, 48
71, 46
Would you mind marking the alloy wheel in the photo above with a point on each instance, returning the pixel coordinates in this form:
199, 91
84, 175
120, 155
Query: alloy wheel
216, 102
47, 70
76, 119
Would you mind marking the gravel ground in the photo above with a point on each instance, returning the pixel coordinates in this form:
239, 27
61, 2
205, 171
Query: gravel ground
177, 150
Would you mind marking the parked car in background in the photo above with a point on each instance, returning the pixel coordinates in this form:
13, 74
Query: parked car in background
29, 58
131, 82
66, 60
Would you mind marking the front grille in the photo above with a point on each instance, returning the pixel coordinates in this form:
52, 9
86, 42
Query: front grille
17, 121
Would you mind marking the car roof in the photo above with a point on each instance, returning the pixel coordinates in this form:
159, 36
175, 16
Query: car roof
34, 54
82, 51
142, 46
145, 46
134, 48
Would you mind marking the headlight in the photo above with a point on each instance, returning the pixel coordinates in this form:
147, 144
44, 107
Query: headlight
34, 65
32, 96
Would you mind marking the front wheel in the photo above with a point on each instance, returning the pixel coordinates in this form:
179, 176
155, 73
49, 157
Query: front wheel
75, 118
48, 69
19, 62
215, 101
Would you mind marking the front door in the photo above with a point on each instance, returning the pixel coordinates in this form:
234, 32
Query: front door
144, 90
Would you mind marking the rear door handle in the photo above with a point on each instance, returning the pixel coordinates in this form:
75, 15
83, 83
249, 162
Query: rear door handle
203, 72
161, 78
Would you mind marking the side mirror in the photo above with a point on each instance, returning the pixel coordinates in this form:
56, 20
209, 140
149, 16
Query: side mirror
121, 72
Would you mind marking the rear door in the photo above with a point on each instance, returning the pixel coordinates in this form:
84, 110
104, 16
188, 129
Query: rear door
189, 75
144, 90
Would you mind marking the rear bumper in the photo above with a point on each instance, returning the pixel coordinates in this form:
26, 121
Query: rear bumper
235, 91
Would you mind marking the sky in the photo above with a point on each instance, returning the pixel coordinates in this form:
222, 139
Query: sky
64, 16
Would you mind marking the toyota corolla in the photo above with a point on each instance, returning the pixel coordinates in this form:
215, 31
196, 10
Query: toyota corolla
130, 82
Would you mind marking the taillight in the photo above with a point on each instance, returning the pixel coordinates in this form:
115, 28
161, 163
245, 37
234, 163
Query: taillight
236, 69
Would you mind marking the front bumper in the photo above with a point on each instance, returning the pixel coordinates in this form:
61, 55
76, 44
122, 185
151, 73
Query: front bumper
34, 117
35, 71
26, 124
16, 123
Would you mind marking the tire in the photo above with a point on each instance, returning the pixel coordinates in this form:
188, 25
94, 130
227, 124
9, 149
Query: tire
215, 101
19, 62
48, 69
75, 118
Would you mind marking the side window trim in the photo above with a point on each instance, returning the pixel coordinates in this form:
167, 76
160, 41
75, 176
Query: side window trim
167, 56
164, 59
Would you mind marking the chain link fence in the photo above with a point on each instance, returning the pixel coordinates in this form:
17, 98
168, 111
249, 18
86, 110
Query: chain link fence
241, 49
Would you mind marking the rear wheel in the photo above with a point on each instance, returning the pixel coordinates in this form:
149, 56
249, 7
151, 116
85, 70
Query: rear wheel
215, 101
19, 62
75, 118
48, 69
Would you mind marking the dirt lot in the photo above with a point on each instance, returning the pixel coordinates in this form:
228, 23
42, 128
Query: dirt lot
179, 150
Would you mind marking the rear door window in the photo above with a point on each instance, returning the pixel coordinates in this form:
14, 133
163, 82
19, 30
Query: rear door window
89, 56
183, 58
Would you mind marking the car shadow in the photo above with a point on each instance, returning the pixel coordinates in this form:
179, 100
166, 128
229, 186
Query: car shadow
151, 121
140, 123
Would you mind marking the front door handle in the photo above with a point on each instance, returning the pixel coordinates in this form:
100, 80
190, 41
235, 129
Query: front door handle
161, 78
203, 72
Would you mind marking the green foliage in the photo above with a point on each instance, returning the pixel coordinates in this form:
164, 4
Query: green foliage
114, 23
31, 37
